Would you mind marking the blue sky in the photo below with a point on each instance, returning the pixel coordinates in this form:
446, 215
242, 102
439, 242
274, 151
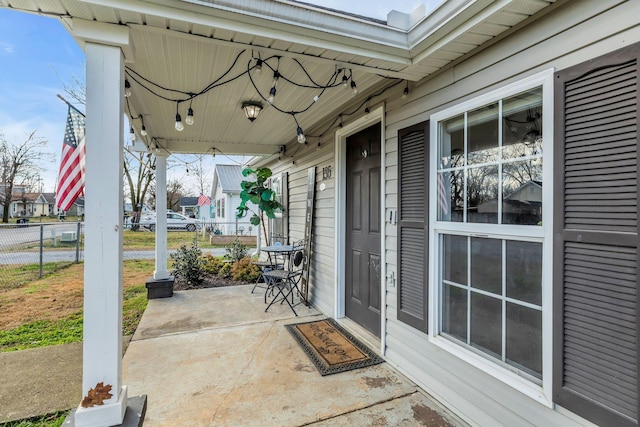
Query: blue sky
38, 57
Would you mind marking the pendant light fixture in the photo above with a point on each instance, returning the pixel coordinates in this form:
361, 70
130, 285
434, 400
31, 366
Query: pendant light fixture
252, 109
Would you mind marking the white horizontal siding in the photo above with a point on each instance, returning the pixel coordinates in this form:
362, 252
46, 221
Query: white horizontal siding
562, 37
296, 161
569, 34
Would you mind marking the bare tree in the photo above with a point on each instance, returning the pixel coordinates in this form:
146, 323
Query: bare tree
139, 171
139, 168
19, 162
202, 179
175, 190
76, 90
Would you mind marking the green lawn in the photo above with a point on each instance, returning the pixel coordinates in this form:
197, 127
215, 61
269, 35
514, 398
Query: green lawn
50, 420
132, 240
141, 240
44, 332
18, 276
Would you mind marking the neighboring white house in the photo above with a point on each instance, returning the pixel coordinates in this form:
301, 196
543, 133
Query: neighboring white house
225, 199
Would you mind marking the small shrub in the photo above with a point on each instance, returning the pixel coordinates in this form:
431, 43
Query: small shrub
187, 265
225, 270
245, 271
236, 251
212, 264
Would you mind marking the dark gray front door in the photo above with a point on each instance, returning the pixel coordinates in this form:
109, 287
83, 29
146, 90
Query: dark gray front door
362, 280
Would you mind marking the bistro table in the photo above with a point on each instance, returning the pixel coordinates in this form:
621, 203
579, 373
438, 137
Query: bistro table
282, 251
280, 257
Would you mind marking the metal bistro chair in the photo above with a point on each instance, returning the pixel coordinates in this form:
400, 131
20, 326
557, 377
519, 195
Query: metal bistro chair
270, 263
285, 281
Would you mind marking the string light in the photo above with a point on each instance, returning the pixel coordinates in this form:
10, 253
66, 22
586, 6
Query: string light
276, 78
127, 88
272, 92
301, 138
256, 64
189, 120
179, 126
405, 92
272, 95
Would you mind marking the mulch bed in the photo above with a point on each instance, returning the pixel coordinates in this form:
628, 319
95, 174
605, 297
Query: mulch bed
210, 281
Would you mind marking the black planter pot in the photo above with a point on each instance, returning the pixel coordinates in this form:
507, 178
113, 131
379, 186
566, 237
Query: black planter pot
160, 288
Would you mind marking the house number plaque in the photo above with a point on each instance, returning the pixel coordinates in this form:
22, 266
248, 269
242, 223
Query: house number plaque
326, 173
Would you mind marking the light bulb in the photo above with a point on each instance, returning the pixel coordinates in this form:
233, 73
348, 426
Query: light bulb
276, 77
179, 125
258, 67
345, 81
405, 92
127, 88
143, 131
354, 88
132, 134
272, 95
189, 120
366, 110
301, 138
316, 98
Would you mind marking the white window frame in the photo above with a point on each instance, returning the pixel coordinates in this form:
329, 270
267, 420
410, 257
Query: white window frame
541, 393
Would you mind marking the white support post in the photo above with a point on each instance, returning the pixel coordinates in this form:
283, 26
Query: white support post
102, 349
161, 272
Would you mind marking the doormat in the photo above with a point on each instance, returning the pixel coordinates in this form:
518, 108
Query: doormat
331, 348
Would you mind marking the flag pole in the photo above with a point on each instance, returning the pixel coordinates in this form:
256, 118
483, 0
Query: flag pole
69, 104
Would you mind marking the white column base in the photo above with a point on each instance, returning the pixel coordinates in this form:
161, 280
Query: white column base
111, 414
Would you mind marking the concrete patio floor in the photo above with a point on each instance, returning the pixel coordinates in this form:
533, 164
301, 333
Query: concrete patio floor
214, 357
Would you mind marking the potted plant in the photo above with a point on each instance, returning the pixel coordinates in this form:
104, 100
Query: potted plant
256, 192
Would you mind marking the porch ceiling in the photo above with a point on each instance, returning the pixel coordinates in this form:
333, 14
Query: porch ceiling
187, 45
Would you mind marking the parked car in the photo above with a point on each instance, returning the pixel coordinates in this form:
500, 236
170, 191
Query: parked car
175, 221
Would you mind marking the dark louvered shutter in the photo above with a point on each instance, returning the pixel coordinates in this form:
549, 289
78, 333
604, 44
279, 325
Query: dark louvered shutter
413, 225
596, 244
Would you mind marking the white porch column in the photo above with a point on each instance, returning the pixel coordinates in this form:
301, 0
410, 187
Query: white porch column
102, 349
161, 217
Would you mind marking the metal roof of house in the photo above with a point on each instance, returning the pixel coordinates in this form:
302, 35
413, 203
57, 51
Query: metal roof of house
229, 177
188, 201
193, 45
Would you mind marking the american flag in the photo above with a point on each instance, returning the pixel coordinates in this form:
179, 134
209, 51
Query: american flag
72, 163
204, 200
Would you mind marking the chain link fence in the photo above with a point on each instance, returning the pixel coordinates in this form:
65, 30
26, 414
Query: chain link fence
39, 249
42, 248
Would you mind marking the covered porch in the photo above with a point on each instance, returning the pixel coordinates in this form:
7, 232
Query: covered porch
183, 72
214, 357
